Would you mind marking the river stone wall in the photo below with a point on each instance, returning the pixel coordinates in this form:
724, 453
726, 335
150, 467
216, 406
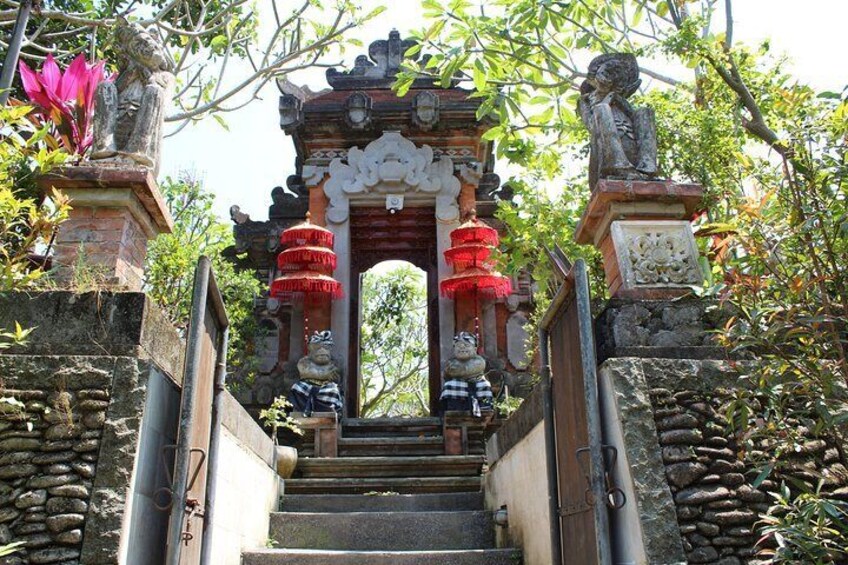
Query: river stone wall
683, 468
70, 439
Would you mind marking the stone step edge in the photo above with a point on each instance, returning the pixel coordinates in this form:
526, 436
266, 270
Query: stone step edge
427, 502
387, 460
379, 552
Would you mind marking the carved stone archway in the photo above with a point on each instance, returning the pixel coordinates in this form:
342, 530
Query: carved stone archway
391, 171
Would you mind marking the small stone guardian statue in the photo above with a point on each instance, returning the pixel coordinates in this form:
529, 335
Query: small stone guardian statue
318, 389
466, 387
624, 138
129, 113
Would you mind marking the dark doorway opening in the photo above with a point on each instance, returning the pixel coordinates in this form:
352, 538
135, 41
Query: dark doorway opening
378, 236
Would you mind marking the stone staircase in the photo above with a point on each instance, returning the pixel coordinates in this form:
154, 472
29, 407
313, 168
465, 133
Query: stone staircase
390, 498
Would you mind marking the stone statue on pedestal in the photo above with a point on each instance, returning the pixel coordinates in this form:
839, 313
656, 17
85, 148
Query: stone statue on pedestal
624, 138
466, 387
129, 113
318, 389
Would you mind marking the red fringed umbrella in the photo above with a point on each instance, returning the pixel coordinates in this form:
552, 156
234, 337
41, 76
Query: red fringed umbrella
472, 245
313, 257
468, 255
478, 282
474, 231
306, 267
307, 233
307, 283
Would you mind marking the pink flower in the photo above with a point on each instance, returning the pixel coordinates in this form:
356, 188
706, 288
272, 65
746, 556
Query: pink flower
66, 99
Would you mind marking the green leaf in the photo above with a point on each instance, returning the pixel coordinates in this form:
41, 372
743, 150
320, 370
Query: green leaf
221, 121
764, 473
479, 75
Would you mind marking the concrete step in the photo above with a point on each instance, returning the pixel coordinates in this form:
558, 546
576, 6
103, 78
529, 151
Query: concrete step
385, 531
382, 503
372, 467
391, 446
400, 485
323, 557
391, 427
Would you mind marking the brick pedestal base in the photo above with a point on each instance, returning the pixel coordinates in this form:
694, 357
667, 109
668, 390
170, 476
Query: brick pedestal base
115, 212
643, 233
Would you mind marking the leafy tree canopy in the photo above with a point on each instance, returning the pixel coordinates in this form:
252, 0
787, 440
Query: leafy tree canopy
225, 51
771, 154
171, 259
393, 344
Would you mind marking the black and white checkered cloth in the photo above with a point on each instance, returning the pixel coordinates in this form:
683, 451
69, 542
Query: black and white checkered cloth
307, 397
473, 396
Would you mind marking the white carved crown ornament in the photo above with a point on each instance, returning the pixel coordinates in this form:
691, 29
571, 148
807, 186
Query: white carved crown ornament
391, 164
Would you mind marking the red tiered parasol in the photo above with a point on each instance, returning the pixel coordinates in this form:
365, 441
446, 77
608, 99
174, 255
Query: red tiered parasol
307, 233
306, 267
307, 283
472, 245
478, 281
313, 257
475, 231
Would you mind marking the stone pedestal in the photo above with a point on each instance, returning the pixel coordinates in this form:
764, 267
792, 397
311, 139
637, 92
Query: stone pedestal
115, 212
642, 229
458, 429
323, 429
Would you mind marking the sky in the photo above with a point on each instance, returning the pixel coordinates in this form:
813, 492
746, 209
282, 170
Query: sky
241, 166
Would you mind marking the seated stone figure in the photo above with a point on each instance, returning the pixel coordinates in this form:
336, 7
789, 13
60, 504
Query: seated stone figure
466, 387
129, 113
624, 138
318, 389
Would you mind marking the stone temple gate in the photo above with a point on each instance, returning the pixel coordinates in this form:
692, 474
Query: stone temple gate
390, 177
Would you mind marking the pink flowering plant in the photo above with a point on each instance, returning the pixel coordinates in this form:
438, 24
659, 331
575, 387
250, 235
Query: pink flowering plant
66, 99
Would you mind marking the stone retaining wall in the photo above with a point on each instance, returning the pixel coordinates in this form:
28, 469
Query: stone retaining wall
49, 452
69, 455
691, 496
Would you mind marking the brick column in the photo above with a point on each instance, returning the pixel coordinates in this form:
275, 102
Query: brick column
643, 232
115, 212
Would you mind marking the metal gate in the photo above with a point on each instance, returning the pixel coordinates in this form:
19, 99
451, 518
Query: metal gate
578, 495
195, 451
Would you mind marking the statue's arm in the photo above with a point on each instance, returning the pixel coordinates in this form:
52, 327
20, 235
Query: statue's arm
584, 109
624, 104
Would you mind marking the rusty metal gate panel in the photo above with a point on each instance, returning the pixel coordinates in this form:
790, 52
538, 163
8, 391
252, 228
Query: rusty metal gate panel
580, 530
202, 379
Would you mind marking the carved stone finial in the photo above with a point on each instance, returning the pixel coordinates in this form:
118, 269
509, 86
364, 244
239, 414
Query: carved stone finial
379, 68
292, 203
624, 138
237, 216
129, 113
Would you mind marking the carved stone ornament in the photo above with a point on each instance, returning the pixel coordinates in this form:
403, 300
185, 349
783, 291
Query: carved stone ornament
656, 253
379, 68
425, 110
129, 113
358, 110
391, 164
291, 112
624, 138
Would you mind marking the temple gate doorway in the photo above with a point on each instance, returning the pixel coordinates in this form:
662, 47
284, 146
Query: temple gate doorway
393, 342
408, 235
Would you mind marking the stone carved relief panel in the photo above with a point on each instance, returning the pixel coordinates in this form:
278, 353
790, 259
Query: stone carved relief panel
656, 253
391, 165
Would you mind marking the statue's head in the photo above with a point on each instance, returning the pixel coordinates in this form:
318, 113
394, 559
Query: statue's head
138, 44
614, 72
464, 346
320, 347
